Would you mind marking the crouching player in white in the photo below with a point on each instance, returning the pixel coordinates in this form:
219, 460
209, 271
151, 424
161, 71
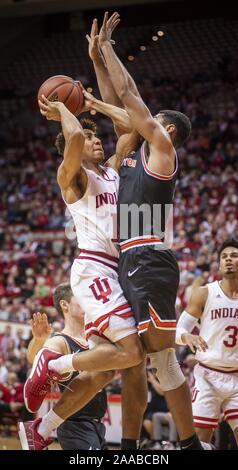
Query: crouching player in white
216, 374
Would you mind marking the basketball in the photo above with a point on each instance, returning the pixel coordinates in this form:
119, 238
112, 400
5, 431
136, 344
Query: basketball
64, 89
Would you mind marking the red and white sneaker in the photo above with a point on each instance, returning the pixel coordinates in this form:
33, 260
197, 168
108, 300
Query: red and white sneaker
40, 379
30, 438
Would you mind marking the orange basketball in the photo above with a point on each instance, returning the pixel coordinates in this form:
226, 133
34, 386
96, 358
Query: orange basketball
64, 89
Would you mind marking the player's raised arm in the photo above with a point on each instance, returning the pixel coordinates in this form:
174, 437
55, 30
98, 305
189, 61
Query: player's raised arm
73, 136
104, 82
142, 120
188, 320
105, 86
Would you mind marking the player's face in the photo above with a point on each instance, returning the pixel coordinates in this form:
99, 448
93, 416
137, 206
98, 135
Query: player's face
93, 151
229, 262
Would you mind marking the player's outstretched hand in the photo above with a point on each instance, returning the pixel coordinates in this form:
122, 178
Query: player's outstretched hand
40, 326
50, 109
108, 26
93, 47
194, 342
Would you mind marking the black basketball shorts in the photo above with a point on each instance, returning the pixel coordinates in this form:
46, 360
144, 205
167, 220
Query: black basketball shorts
85, 434
149, 278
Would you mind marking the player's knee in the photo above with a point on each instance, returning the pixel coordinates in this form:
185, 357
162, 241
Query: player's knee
167, 368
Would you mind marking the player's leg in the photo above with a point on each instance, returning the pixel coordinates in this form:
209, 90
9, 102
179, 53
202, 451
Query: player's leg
134, 402
81, 390
162, 343
230, 404
206, 402
204, 434
122, 352
127, 352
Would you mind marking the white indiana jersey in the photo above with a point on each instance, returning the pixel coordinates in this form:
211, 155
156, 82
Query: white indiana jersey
95, 214
219, 328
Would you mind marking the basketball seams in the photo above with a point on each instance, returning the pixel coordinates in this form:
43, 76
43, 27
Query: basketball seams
54, 89
69, 94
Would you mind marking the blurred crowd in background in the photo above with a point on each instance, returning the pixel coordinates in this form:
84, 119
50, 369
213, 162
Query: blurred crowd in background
35, 251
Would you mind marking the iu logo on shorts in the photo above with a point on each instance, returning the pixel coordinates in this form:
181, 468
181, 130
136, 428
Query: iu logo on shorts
101, 289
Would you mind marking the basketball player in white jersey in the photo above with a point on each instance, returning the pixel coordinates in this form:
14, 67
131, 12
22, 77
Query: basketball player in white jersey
90, 193
215, 393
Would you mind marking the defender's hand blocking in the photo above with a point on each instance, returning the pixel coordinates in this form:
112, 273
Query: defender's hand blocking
93, 48
50, 109
40, 326
194, 342
108, 27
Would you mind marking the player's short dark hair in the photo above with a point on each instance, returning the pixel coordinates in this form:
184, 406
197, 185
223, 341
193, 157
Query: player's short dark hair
231, 242
60, 140
62, 292
181, 122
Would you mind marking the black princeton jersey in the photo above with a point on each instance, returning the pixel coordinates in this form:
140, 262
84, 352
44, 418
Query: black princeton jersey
139, 185
97, 407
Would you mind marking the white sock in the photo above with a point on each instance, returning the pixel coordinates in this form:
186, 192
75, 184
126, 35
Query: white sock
49, 423
62, 364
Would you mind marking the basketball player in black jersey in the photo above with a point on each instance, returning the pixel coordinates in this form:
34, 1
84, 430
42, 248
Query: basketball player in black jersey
83, 430
148, 271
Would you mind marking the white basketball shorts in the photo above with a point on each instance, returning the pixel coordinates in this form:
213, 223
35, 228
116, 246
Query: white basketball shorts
215, 397
94, 282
